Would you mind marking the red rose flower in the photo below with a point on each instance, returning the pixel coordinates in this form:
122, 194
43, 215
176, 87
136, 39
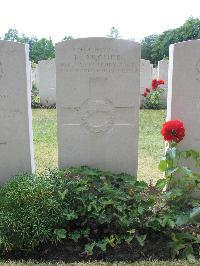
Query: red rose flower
160, 82
144, 94
148, 90
154, 84
173, 131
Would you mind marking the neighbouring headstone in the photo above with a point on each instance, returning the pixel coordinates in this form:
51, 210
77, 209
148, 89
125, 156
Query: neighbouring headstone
184, 90
47, 82
98, 103
155, 73
37, 77
163, 74
145, 76
34, 74
163, 71
16, 145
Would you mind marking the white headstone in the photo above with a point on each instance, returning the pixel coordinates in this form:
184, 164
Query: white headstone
34, 73
184, 90
145, 76
16, 146
155, 73
163, 71
37, 76
98, 103
163, 74
47, 82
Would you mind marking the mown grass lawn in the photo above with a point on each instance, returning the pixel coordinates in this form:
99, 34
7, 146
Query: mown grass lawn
151, 145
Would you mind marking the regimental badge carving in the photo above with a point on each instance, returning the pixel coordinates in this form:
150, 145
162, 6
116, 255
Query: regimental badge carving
97, 115
1, 70
197, 70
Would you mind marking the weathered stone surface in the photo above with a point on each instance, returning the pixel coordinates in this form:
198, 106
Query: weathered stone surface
98, 103
47, 82
16, 147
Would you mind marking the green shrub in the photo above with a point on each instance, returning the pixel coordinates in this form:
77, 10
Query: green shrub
35, 98
98, 208
153, 101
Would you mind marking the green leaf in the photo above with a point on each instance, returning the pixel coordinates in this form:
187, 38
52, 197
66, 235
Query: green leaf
186, 154
167, 221
161, 183
141, 184
195, 215
163, 164
75, 235
171, 171
60, 233
198, 163
63, 194
102, 244
128, 239
182, 219
194, 154
89, 248
141, 239
187, 171
70, 214
140, 209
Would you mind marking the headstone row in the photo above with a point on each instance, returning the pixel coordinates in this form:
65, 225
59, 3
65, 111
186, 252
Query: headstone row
44, 77
98, 91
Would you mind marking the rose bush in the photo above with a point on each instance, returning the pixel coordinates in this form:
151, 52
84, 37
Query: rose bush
152, 95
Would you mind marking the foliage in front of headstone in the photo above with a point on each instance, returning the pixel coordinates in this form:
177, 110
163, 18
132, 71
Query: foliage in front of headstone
98, 209
182, 183
152, 96
35, 98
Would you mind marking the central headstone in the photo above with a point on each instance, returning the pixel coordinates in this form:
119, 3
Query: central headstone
98, 103
16, 146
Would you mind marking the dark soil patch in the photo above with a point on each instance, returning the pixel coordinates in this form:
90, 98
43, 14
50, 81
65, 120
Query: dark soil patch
156, 248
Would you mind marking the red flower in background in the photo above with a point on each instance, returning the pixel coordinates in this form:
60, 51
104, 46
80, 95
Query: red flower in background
148, 90
154, 84
144, 94
173, 131
160, 82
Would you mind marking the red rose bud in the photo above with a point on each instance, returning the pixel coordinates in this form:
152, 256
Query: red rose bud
144, 94
148, 90
154, 84
161, 82
173, 131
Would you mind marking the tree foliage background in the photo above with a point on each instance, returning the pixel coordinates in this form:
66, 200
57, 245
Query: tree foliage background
154, 47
